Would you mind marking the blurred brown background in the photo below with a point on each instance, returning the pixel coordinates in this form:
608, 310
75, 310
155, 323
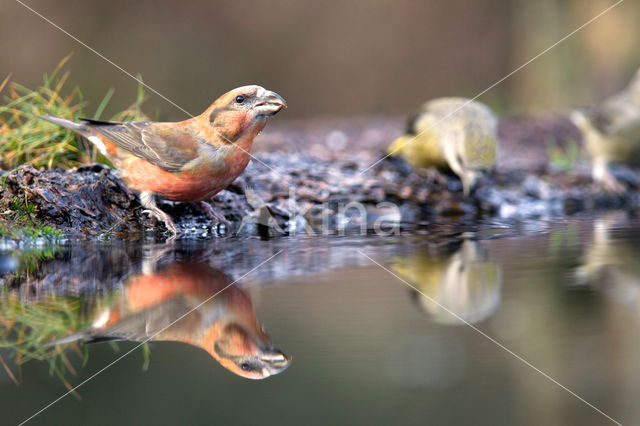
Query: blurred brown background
329, 58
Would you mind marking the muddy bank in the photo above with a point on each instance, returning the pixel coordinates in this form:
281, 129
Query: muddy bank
308, 173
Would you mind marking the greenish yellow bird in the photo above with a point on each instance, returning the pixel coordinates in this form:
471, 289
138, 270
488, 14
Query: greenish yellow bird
451, 133
611, 133
465, 282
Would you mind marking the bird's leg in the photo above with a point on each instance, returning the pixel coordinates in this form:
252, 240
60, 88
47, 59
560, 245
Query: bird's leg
212, 213
604, 177
148, 201
612, 184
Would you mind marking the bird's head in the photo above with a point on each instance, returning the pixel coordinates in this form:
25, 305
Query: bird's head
246, 107
395, 149
247, 353
254, 100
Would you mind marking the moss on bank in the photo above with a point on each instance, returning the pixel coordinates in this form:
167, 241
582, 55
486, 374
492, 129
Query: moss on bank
21, 221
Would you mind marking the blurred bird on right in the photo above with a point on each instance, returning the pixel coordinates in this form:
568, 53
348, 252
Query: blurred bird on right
611, 133
451, 133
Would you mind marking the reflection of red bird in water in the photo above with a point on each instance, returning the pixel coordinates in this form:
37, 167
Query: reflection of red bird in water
225, 326
191, 160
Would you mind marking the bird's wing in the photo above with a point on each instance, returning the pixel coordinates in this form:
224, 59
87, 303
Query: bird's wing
630, 130
615, 120
479, 144
616, 114
169, 150
143, 325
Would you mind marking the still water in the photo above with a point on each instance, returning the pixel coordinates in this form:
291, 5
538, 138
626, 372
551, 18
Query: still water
329, 330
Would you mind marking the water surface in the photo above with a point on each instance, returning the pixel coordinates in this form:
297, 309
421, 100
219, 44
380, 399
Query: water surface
336, 330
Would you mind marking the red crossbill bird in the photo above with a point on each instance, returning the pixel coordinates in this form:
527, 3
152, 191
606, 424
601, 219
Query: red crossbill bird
189, 161
153, 306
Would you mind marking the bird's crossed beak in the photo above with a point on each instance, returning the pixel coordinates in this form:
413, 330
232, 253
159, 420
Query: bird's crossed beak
274, 362
269, 103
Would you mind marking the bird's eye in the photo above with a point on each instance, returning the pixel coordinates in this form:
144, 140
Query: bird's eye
245, 367
239, 99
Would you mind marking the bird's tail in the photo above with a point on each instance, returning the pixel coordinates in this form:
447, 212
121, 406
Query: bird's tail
76, 127
67, 339
85, 337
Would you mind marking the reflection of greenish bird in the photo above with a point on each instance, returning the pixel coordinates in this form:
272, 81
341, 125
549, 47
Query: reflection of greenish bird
612, 258
454, 133
466, 282
611, 133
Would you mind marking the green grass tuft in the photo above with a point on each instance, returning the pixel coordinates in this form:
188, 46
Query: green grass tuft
25, 139
27, 328
30, 231
31, 330
566, 158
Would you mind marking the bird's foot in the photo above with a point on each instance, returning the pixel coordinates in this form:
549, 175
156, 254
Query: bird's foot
212, 213
166, 219
612, 185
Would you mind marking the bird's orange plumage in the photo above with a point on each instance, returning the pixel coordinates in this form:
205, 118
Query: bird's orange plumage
191, 160
198, 305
